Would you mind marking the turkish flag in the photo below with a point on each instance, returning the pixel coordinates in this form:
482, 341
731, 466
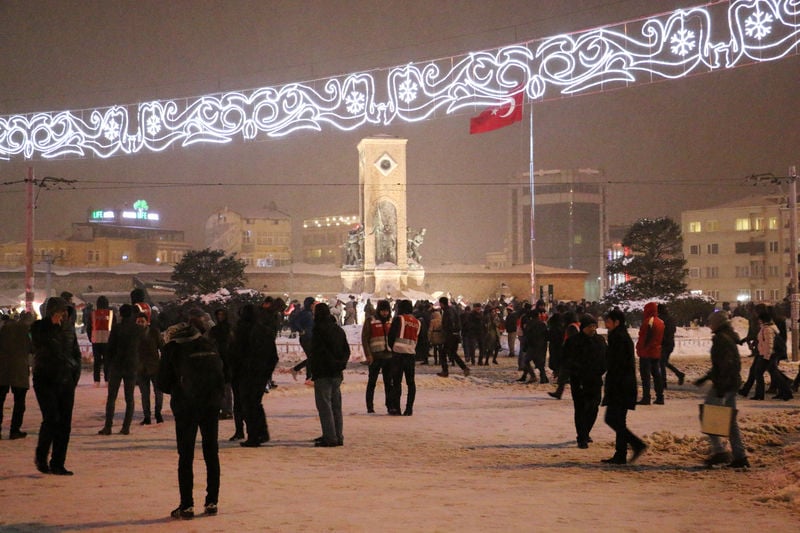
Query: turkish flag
498, 117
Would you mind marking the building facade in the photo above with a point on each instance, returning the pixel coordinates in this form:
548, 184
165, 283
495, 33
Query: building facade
739, 252
261, 238
323, 238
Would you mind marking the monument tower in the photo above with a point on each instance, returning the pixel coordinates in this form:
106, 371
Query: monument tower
384, 266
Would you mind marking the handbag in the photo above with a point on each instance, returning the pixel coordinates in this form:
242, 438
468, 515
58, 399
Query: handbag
716, 419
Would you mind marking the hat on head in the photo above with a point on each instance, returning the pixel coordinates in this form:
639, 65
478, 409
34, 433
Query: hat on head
587, 320
716, 320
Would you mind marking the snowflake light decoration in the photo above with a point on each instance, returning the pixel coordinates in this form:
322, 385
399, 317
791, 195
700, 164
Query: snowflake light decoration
682, 42
407, 91
355, 102
758, 24
153, 125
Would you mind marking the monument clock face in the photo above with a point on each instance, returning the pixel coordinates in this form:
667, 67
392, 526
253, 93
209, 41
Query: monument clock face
385, 164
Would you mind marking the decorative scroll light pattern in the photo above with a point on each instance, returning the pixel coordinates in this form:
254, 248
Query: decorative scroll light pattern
668, 46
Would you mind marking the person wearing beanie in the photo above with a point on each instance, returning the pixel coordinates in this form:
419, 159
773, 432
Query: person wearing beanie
56, 371
619, 394
585, 357
725, 381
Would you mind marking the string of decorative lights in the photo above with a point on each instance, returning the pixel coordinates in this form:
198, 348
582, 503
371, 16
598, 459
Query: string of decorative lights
668, 46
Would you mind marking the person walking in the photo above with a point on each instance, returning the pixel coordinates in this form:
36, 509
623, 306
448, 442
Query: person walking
15, 372
585, 356
620, 388
451, 328
149, 356
725, 381
327, 359
648, 348
56, 371
668, 346
190, 371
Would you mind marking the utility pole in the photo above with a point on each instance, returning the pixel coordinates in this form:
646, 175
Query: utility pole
29, 241
794, 298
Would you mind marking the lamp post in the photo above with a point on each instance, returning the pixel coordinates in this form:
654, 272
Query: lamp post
274, 207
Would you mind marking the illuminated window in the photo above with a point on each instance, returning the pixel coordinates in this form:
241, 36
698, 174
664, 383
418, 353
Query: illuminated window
743, 224
694, 227
759, 224
247, 236
772, 223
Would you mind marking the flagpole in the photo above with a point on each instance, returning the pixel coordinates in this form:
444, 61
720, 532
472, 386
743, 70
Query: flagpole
533, 224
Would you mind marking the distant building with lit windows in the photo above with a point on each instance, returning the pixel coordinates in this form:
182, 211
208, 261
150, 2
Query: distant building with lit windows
323, 238
262, 238
739, 251
109, 237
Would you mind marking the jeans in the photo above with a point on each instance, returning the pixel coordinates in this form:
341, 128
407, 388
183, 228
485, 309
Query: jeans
616, 418
451, 352
471, 344
586, 402
55, 401
651, 367
755, 376
379, 367
328, 397
144, 388
186, 426
129, 386
100, 356
19, 405
403, 365
737, 447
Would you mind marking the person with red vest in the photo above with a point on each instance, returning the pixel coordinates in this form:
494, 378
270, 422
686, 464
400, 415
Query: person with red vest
648, 348
375, 342
402, 338
99, 332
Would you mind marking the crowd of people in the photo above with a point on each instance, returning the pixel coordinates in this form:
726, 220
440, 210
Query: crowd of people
216, 369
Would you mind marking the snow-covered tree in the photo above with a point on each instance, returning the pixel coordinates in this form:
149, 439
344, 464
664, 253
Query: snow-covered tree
655, 266
206, 271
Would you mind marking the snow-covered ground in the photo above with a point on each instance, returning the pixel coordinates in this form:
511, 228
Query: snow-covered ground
482, 453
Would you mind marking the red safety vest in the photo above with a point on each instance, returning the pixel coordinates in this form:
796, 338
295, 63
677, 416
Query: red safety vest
101, 325
377, 336
406, 341
145, 308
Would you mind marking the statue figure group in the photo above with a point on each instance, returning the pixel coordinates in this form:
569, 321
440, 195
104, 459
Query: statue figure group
385, 230
414, 242
354, 247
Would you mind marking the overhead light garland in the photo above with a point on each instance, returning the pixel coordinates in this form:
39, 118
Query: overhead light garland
668, 46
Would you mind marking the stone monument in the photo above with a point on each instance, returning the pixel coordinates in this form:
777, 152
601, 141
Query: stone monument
380, 263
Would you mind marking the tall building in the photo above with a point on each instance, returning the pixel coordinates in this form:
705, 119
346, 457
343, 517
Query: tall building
569, 223
262, 238
739, 251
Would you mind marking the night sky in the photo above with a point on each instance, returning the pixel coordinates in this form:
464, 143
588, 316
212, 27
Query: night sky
664, 147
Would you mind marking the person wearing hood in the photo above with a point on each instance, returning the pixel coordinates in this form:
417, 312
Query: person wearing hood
585, 357
327, 360
123, 356
56, 371
648, 348
190, 371
725, 376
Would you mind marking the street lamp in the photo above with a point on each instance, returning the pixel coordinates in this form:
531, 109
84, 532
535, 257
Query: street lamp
274, 207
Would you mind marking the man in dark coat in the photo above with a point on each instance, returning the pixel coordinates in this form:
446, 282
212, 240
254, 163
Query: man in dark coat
123, 365
585, 356
56, 371
327, 359
620, 388
190, 371
258, 362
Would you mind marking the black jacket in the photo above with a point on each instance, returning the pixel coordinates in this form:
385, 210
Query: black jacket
329, 349
620, 386
585, 356
56, 356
